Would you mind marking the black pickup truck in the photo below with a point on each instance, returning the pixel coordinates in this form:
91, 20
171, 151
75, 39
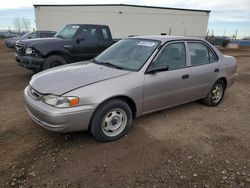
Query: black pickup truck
74, 42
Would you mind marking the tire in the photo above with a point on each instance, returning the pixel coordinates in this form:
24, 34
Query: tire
53, 61
113, 114
214, 99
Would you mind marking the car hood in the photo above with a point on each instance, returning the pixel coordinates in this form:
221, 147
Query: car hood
38, 41
66, 78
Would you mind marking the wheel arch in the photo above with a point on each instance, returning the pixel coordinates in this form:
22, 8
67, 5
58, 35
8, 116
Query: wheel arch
224, 81
124, 98
64, 55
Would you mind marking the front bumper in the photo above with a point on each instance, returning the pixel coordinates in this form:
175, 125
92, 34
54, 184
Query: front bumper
30, 62
58, 119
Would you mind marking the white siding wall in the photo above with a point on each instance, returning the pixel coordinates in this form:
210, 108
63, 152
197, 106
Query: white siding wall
125, 20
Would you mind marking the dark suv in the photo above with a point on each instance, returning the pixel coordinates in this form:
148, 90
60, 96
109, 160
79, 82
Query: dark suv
11, 42
74, 42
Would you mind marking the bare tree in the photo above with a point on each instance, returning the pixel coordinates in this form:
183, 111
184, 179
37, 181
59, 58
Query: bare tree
26, 24
17, 24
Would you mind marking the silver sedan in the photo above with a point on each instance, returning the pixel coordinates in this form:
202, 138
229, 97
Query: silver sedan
133, 77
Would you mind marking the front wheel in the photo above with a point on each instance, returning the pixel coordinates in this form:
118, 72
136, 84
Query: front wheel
215, 94
111, 120
53, 61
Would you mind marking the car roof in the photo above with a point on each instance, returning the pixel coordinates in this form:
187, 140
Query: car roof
164, 38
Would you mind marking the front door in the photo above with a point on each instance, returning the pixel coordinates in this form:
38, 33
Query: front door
86, 43
170, 87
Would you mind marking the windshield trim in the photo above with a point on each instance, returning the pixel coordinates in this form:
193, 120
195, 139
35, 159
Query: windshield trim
136, 38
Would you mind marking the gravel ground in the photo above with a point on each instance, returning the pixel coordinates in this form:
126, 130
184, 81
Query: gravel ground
187, 146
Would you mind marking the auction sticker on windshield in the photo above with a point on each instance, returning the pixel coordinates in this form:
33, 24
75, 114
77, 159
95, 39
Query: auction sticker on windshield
75, 27
148, 44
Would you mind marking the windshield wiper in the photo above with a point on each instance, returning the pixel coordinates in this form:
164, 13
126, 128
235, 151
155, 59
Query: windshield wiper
110, 65
94, 61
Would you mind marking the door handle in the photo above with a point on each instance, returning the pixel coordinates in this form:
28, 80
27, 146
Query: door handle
67, 46
216, 70
185, 76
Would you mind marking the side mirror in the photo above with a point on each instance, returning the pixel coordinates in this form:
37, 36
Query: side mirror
79, 38
154, 68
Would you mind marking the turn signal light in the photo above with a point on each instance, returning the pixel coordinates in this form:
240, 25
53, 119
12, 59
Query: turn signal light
73, 102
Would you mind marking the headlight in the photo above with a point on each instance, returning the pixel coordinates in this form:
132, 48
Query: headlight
28, 51
60, 102
33, 52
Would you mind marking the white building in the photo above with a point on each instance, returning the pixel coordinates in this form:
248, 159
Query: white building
125, 20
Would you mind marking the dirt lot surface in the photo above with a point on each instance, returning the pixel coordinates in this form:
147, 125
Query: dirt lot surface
187, 146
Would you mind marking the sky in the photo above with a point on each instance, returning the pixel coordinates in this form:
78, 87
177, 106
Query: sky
226, 16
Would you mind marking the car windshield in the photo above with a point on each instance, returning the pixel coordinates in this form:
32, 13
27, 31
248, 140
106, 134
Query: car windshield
67, 31
130, 54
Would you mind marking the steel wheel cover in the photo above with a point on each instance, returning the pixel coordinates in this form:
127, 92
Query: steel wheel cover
114, 122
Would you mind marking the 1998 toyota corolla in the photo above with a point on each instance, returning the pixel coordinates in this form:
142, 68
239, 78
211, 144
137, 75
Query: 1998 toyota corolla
133, 77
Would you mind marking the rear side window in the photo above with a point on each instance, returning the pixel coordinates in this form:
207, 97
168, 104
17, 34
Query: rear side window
200, 54
105, 34
212, 57
173, 55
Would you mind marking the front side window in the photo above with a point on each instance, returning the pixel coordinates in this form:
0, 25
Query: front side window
199, 53
129, 54
88, 34
67, 31
173, 55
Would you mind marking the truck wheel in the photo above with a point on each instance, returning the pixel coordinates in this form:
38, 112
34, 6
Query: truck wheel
111, 120
53, 61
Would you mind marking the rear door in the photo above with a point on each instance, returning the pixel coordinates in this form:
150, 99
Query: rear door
204, 69
167, 88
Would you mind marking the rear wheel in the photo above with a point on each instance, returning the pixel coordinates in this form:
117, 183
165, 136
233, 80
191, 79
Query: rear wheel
215, 94
53, 61
111, 120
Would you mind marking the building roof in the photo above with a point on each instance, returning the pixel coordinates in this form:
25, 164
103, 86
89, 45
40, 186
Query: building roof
126, 5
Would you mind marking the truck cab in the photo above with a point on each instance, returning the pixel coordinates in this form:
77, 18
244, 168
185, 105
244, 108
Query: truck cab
73, 43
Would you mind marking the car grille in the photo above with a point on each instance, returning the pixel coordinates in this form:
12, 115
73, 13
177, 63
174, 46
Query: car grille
20, 50
34, 94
